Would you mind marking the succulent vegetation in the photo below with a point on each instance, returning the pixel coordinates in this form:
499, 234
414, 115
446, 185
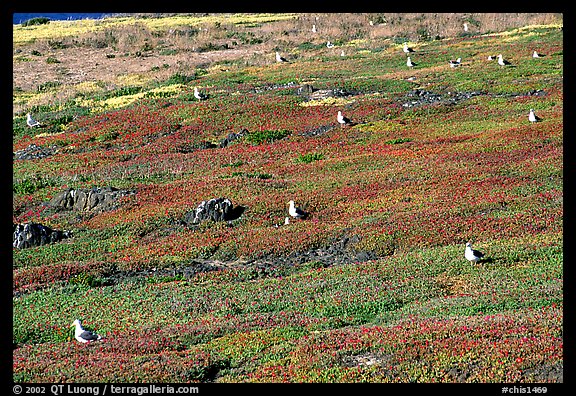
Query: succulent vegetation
400, 193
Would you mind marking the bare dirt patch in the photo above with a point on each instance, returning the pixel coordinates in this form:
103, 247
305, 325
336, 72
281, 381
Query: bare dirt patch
77, 65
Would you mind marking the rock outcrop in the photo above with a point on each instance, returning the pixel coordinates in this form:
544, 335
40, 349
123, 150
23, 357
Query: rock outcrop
233, 136
29, 235
34, 152
95, 199
215, 209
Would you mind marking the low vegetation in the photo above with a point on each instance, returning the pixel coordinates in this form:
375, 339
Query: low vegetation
400, 192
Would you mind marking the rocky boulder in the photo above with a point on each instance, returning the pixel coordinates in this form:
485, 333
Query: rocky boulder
215, 209
312, 93
34, 152
33, 234
233, 136
96, 199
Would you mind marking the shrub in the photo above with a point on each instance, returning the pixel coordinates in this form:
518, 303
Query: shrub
123, 92
266, 136
48, 84
86, 280
398, 141
310, 157
31, 185
36, 21
179, 78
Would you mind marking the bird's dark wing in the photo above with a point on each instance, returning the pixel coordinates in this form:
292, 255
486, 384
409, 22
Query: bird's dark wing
300, 212
88, 335
477, 253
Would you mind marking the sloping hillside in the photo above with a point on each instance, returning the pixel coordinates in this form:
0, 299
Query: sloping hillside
374, 285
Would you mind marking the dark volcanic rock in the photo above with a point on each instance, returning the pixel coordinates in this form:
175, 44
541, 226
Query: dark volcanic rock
33, 234
321, 130
95, 199
215, 209
233, 136
35, 152
418, 97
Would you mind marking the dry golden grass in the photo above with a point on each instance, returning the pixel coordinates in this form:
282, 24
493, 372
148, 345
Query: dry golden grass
114, 51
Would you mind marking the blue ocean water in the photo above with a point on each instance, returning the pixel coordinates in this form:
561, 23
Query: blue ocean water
18, 18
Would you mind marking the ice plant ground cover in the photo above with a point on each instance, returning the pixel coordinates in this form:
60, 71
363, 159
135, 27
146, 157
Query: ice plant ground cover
406, 187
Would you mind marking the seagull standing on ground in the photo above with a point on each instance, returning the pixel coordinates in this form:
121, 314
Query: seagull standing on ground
407, 49
279, 58
198, 95
286, 222
472, 255
409, 63
465, 27
343, 120
314, 29
296, 212
31, 121
82, 335
502, 61
536, 55
533, 117
454, 63
342, 53
329, 45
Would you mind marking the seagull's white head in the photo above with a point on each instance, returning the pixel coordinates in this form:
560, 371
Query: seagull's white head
76, 323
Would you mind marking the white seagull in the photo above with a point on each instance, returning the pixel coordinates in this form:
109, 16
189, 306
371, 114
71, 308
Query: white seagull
31, 121
296, 212
279, 58
490, 57
342, 53
314, 29
454, 63
329, 45
502, 61
198, 95
472, 255
286, 222
409, 63
533, 117
536, 55
82, 335
407, 49
465, 27
343, 120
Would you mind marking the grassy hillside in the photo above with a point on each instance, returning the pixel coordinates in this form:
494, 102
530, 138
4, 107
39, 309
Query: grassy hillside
374, 286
